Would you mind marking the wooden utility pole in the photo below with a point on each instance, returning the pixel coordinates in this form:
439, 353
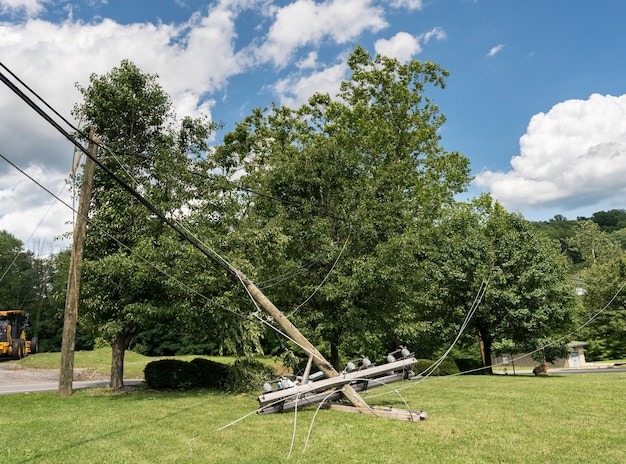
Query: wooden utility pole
348, 391
66, 374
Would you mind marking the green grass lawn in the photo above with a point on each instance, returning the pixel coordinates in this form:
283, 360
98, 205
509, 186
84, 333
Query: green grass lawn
578, 418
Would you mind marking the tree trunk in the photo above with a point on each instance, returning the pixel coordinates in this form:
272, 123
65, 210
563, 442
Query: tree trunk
334, 354
485, 340
119, 345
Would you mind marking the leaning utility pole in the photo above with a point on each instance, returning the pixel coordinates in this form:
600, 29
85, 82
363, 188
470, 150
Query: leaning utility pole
66, 374
348, 391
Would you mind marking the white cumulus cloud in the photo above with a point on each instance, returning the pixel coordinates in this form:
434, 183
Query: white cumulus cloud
408, 4
404, 46
30, 7
296, 89
571, 157
306, 22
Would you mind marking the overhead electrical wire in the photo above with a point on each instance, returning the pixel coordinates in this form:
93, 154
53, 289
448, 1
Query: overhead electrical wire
114, 154
122, 165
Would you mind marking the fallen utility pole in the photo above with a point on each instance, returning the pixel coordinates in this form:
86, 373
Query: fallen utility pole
66, 374
291, 396
291, 330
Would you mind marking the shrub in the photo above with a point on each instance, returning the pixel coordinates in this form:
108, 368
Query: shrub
244, 376
171, 373
248, 375
211, 374
471, 366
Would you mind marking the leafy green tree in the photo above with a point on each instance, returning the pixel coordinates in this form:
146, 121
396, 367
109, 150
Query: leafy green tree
610, 221
518, 277
150, 150
619, 237
18, 279
561, 229
48, 323
341, 190
605, 303
592, 245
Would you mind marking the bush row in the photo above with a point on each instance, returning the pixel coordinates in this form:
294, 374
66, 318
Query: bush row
243, 376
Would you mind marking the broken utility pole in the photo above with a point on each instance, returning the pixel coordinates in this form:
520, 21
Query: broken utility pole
291, 330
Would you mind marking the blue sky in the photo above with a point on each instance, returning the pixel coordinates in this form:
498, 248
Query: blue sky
536, 98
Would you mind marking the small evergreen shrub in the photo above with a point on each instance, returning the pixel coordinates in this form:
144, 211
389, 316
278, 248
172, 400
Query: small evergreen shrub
470, 365
448, 367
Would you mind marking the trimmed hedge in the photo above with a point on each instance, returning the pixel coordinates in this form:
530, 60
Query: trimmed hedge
171, 374
245, 375
211, 374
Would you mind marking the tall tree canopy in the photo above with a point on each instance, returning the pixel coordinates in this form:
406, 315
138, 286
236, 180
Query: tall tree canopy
592, 245
345, 187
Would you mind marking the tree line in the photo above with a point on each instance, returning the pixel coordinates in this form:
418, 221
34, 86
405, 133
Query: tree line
342, 210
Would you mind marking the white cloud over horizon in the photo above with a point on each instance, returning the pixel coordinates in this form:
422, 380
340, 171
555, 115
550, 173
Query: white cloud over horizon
45, 216
573, 156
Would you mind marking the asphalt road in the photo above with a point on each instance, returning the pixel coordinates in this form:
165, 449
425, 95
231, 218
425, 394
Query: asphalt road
54, 386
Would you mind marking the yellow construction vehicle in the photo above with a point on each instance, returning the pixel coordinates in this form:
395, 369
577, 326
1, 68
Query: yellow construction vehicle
13, 325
